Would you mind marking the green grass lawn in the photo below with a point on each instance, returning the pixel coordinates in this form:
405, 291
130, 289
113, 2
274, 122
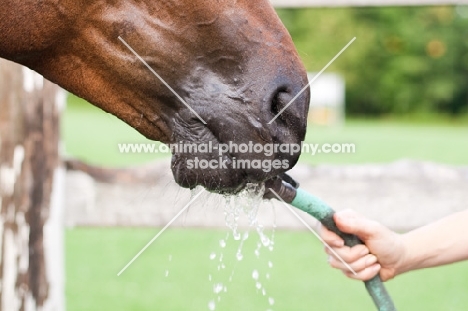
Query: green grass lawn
300, 278
387, 141
92, 135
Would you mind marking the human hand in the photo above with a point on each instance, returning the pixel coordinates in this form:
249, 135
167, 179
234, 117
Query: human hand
383, 250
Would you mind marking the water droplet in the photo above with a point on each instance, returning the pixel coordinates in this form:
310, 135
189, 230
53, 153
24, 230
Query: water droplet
212, 256
270, 264
271, 301
239, 256
222, 243
170, 258
268, 276
236, 235
257, 252
265, 240
258, 285
217, 288
263, 292
246, 236
166, 273
212, 305
255, 275
210, 277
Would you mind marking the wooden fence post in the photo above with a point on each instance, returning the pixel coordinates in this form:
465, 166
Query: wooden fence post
31, 181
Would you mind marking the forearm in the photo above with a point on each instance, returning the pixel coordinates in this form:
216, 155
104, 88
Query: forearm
442, 242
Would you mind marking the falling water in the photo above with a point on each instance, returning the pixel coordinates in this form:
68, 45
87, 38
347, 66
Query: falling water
244, 205
166, 272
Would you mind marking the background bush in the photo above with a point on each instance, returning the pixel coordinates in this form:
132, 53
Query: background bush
405, 60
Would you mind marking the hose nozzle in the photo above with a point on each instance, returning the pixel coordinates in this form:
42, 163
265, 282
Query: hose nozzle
284, 186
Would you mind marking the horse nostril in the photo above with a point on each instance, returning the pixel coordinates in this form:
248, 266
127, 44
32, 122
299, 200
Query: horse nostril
279, 101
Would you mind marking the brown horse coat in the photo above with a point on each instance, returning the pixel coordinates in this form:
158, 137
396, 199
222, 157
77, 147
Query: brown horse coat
232, 62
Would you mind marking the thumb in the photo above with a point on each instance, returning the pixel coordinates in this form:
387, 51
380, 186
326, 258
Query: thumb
351, 222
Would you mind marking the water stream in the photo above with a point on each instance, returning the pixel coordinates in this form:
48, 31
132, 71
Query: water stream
237, 209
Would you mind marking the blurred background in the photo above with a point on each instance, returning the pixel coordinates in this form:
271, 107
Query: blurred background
404, 104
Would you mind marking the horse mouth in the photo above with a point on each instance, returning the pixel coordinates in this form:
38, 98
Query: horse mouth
218, 168
220, 175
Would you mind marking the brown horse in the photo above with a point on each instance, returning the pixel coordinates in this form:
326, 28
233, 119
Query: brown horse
231, 61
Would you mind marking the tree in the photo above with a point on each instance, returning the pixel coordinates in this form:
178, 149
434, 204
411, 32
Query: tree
31, 231
405, 59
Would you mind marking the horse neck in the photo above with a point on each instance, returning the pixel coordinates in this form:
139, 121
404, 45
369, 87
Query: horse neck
29, 28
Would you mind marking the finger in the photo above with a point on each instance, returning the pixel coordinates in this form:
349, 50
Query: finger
351, 222
348, 254
358, 265
329, 237
387, 274
365, 274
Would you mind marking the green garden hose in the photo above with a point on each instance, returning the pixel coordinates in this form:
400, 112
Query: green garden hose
286, 188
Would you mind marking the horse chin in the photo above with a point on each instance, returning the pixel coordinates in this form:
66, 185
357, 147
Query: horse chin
220, 180
188, 174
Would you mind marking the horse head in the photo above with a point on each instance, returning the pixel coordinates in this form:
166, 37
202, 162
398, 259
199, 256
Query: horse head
231, 63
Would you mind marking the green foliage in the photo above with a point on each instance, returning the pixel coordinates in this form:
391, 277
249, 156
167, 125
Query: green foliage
405, 60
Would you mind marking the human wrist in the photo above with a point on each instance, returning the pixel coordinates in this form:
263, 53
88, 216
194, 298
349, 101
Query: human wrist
405, 260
